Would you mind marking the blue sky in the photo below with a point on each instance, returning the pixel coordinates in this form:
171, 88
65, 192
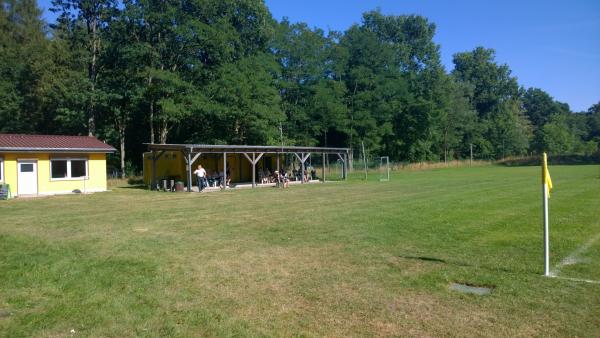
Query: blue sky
551, 44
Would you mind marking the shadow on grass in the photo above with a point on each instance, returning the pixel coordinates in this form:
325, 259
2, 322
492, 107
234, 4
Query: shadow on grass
137, 186
458, 263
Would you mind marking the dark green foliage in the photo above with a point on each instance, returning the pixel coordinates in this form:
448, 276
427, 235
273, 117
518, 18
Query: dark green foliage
23, 65
223, 71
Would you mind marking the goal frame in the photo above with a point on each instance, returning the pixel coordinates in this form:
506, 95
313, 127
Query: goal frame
384, 169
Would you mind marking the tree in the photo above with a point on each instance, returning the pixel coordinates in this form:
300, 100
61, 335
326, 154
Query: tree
556, 137
327, 110
309, 83
594, 120
502, 126
223, 71
393, 76
246, 103
540, 106
593, 123
492, 83
95, 15
458, 121
123, 84
23, 65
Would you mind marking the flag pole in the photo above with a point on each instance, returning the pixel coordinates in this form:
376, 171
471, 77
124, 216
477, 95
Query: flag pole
546, 226
546, 232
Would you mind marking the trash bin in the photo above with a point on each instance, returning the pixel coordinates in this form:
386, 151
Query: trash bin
179, 186
5, 192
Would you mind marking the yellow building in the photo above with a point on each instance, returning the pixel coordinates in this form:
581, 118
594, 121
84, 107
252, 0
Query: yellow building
52, 164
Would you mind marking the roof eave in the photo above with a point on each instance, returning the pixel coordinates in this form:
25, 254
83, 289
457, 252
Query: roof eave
57, 150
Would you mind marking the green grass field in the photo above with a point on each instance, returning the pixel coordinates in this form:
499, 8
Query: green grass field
339, 259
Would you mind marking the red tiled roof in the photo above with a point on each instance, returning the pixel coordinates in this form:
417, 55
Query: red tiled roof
22, 142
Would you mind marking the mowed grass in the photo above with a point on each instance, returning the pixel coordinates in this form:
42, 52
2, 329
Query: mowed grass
339, 259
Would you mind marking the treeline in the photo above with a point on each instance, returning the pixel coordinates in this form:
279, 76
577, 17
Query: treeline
224, 71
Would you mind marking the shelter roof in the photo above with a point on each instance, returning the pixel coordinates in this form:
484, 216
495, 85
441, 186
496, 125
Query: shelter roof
219, 148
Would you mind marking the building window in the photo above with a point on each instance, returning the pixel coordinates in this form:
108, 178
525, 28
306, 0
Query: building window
1, 170
68, 168
78, 168
59, 169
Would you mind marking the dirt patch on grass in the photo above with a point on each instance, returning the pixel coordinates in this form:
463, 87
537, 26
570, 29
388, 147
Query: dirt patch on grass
4, 313
319, 291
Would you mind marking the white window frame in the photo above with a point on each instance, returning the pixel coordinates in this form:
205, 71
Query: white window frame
69, 178
1, 169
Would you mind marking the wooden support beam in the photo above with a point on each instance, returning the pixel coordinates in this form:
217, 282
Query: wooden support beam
189, 174
196, 157
260, 155
323, 169
153, 183
303, 169
302, 157
224, 171
254, 159
253, 170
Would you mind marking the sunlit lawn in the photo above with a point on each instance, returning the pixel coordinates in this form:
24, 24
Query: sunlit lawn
338, 259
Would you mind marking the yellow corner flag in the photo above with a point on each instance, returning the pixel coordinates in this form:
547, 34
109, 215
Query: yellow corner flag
546, 174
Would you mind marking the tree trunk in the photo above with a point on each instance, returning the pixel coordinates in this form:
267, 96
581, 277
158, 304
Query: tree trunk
93, 72
151, 117
351, 154
164, 131
122, 148
446, 146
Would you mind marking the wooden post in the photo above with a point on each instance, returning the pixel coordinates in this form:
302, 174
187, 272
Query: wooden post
224, 171
302, 172
253, 161
323, 169
153, 183
253, 170
189, 165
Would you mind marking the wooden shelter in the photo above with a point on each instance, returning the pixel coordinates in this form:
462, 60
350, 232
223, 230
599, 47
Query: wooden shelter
253, 154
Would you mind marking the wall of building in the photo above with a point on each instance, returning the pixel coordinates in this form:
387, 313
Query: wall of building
96, 180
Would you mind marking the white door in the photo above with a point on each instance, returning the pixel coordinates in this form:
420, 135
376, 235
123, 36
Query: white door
27, 178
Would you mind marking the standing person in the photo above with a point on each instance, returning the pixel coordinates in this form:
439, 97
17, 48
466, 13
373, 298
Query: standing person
228, 176
201, 175
283, 179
